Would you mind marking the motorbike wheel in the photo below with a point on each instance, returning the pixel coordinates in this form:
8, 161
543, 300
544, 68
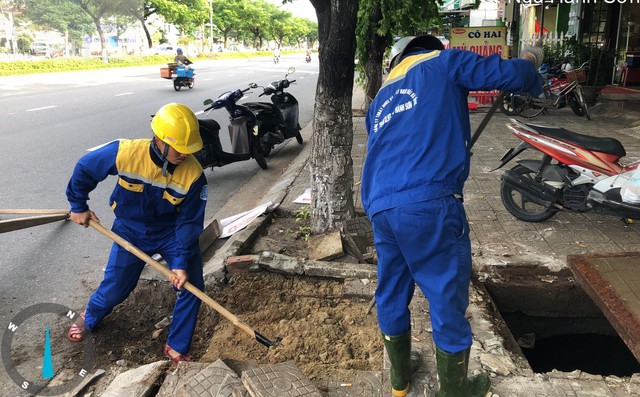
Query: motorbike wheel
190, 84
519, 206
176, 86
256, 153
507, 106
579, 104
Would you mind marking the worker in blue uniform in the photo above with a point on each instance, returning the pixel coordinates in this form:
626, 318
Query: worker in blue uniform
159, 202
418, 159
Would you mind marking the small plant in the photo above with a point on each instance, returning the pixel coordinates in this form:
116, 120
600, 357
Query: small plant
302, 214
302, 220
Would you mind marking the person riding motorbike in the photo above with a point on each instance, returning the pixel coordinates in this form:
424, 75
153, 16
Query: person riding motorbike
182, 59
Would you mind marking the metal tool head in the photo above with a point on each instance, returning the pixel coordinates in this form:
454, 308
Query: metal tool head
262, 339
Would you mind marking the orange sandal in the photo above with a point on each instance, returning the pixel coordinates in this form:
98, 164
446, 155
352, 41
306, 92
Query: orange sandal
175, 360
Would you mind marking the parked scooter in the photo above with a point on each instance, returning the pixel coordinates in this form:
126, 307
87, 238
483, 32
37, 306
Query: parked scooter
278, 120
242, 131
576, 173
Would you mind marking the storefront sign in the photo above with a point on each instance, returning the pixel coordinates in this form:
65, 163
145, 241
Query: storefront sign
484, 40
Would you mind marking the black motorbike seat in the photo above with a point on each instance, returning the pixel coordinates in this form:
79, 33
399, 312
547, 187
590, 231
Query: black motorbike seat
261, 106
603, 145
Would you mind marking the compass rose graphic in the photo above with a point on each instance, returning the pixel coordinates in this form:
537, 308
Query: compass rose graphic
14, 331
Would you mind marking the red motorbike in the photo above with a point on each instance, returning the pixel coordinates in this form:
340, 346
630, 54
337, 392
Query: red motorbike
577, 172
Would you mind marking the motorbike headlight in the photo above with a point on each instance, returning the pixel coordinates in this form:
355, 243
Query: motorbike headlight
255, 130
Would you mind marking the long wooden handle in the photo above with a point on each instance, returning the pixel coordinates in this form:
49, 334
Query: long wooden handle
10, 225
32, 211
168, 273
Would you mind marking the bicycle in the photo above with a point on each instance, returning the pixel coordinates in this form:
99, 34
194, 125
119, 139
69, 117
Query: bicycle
559, 91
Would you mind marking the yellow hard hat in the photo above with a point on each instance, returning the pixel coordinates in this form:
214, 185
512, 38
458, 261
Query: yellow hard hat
177, 126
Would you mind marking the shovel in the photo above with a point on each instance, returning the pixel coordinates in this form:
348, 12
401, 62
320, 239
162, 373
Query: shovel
188, 286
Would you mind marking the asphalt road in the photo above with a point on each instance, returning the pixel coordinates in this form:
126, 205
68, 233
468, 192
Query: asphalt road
49, 121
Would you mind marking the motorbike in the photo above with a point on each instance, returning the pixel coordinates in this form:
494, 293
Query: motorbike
279, 119
577, 172
180, 74
243, 131
560, 88
307, 58
276, 59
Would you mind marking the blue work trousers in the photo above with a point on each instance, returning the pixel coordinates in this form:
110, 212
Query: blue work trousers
123, 271
425, 243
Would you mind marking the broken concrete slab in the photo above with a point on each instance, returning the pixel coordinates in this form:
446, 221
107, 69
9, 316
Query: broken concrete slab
277, 380
216, 380
177, 378
286, 264
325, 246
138, 382
612, 281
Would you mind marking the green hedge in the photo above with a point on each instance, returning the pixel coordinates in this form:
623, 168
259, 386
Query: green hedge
10, 68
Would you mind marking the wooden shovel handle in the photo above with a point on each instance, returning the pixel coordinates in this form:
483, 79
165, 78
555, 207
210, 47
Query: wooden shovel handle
10, 225
32, 211
168, 273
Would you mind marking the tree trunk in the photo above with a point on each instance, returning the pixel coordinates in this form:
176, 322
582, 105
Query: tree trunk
103, 40
373, 61
331, 163
146, 31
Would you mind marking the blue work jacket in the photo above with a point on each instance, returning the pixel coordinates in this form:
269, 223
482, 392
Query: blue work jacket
418, 124
143, 198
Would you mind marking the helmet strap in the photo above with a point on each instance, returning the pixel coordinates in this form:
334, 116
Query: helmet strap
165, 153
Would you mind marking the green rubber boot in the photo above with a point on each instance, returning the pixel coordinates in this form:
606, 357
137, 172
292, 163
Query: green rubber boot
404, 362
452, 371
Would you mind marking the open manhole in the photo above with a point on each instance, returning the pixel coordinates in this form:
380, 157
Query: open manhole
556, 324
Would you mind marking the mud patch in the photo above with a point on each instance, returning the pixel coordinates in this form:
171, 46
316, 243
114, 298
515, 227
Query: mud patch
326, 334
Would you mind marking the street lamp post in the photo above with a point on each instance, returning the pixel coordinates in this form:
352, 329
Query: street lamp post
210, 26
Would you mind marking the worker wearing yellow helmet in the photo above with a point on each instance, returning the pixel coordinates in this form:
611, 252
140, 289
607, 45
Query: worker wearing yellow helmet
158, 201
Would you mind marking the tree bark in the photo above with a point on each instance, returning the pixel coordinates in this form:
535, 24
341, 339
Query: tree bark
331, 163
373, 61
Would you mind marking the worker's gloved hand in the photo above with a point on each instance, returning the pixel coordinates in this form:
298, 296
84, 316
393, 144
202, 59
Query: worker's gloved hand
533, 53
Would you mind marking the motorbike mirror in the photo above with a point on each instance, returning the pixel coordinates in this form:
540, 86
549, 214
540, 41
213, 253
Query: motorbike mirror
253, 85
207, 102
291, 70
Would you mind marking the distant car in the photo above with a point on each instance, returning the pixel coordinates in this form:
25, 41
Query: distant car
40, 49
162, 49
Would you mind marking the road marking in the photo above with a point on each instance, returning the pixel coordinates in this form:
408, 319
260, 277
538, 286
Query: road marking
125, 93
42, 108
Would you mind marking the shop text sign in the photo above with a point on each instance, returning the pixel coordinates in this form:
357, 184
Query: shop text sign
485, 40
